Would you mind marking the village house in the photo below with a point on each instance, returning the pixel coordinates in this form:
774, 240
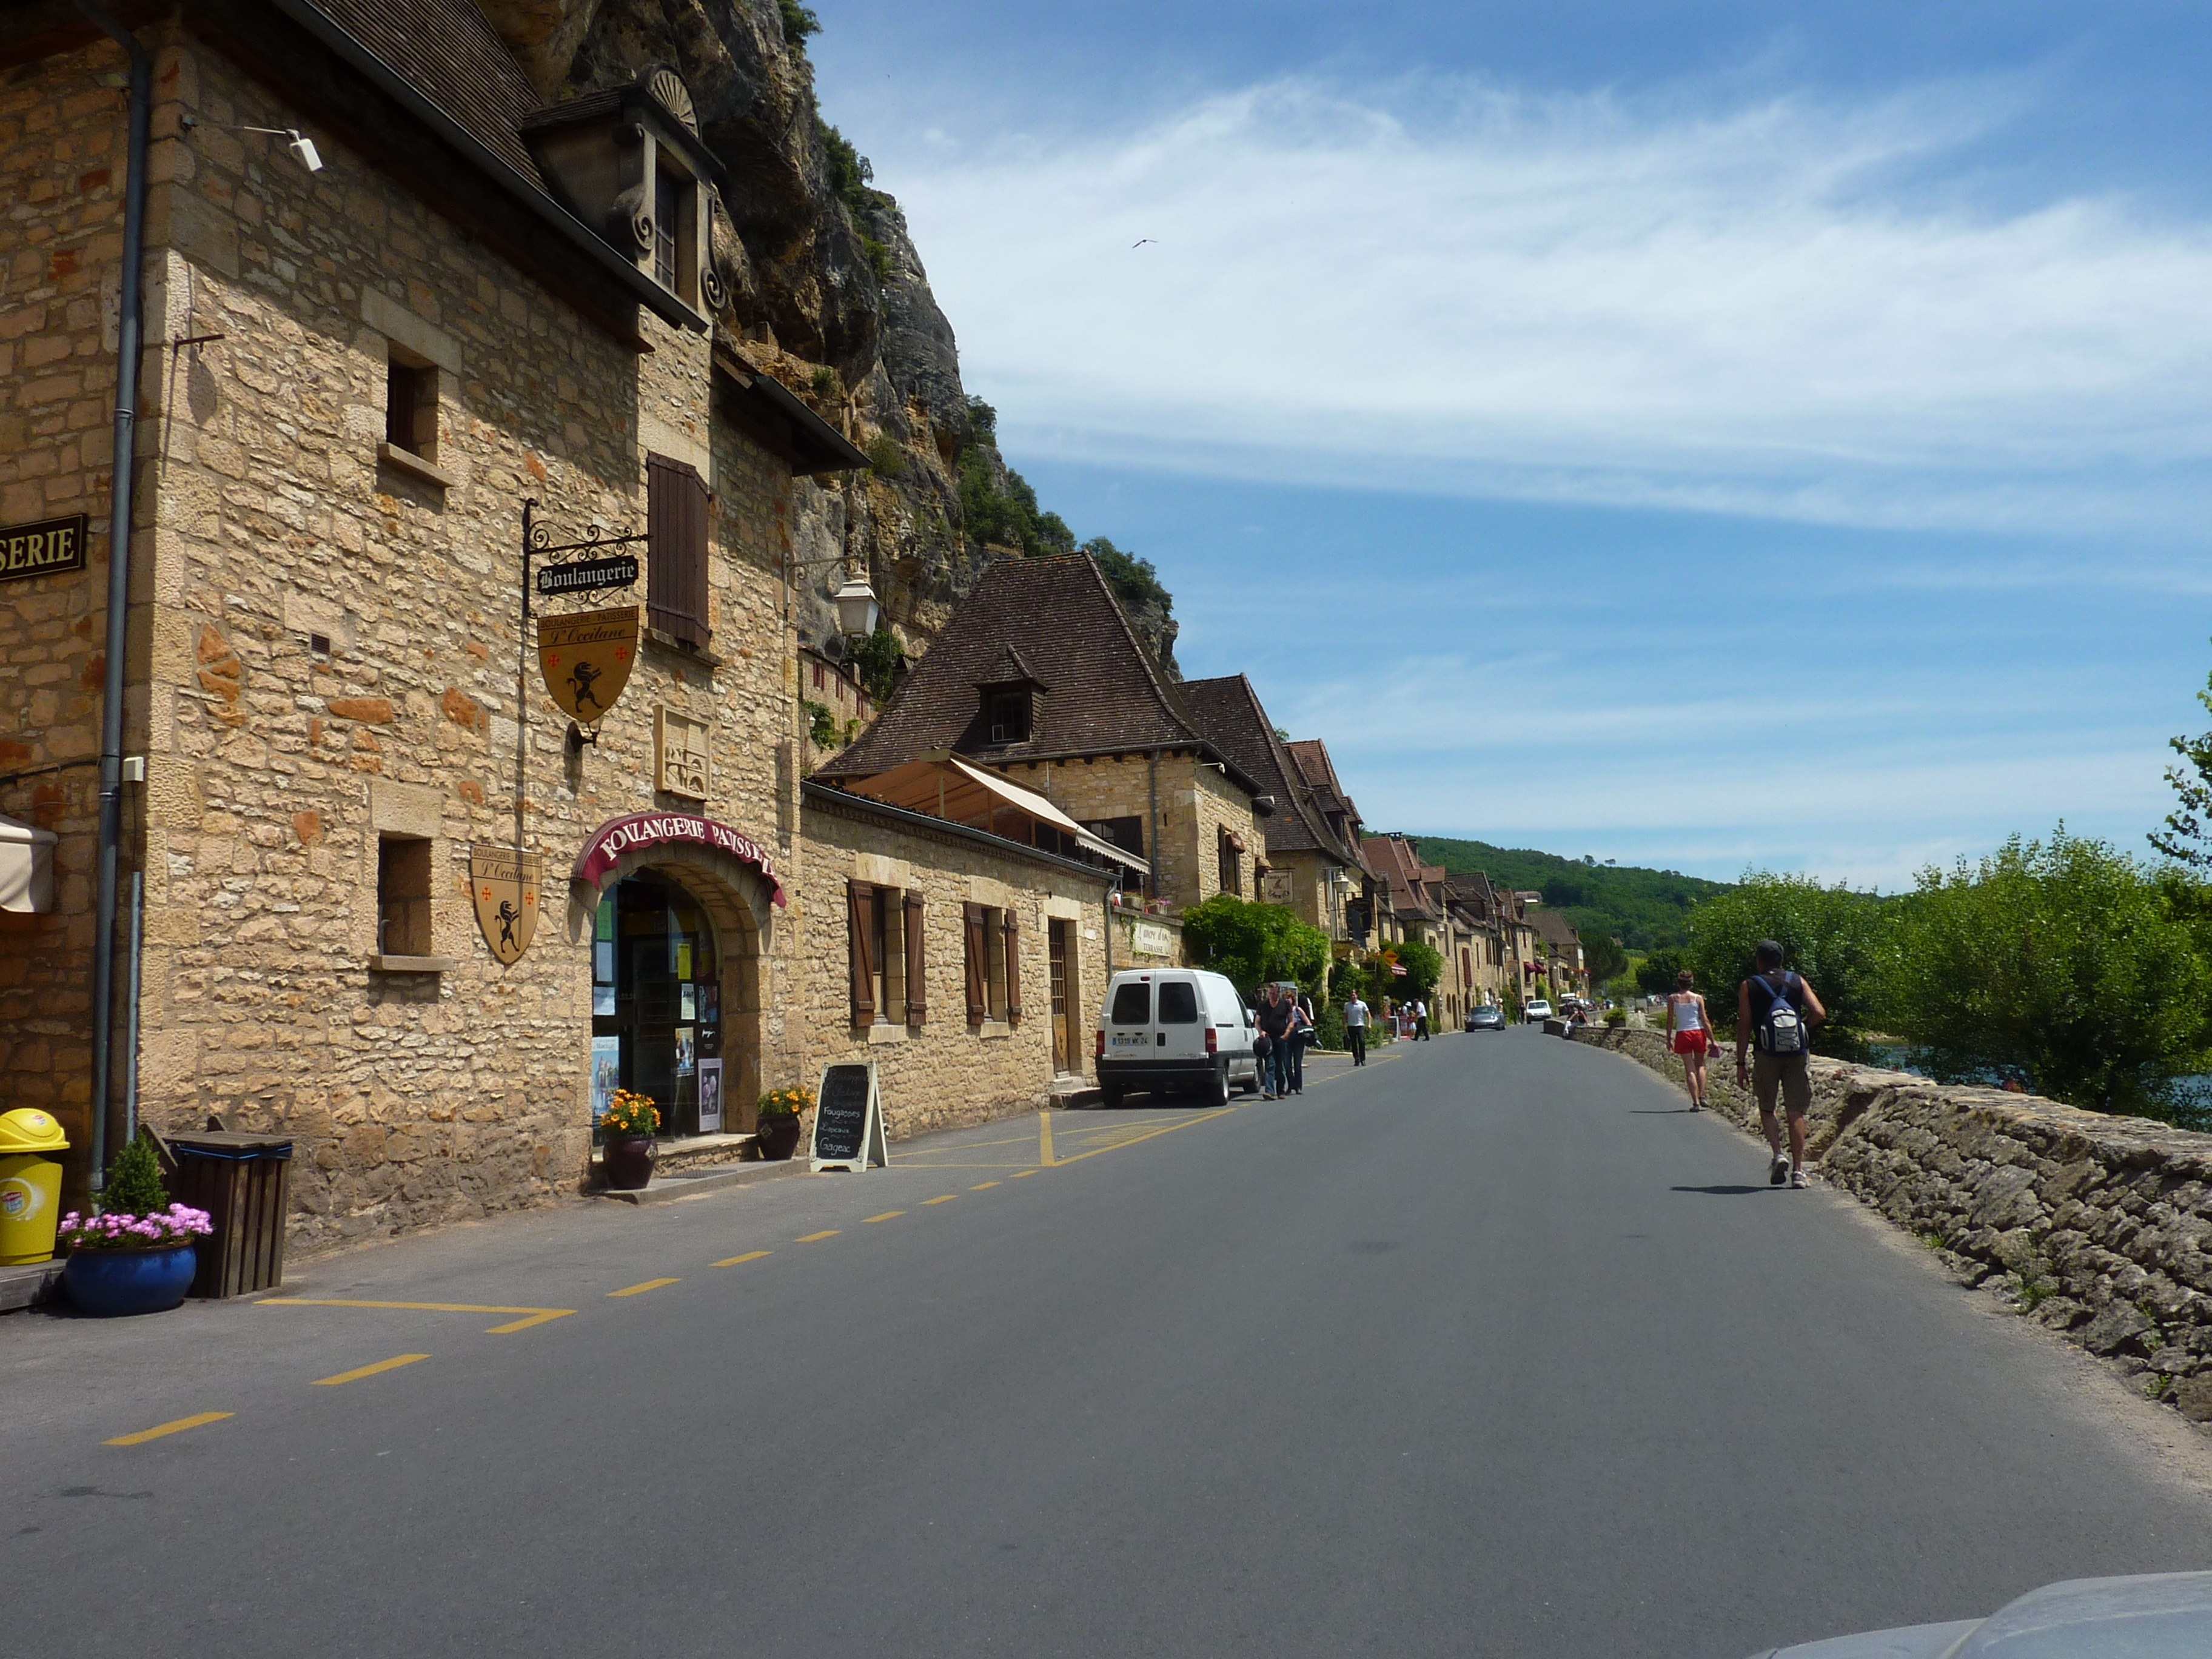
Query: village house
1038, 678
454, 768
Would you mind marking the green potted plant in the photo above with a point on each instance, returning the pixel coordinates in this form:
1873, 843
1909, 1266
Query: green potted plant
776, 1131
135, 1254
628, 1124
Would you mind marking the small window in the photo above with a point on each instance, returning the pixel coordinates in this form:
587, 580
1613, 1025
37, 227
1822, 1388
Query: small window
1231, 867
1009, 717
410, 403
1132, 1003
675, 234
818, 676
403, 896
1127, 834
1178, 1002
888, 960
676, 549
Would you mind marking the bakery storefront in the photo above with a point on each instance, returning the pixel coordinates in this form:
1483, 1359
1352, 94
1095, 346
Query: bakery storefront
677, 910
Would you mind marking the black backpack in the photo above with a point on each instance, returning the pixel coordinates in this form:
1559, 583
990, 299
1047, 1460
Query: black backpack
1781, 1029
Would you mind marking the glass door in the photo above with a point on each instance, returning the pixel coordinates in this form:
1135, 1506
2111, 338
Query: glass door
656, 999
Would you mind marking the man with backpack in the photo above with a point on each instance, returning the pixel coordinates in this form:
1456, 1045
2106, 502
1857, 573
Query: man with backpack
1775, 1012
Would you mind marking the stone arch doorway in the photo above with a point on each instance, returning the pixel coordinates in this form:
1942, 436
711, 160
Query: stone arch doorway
676, 934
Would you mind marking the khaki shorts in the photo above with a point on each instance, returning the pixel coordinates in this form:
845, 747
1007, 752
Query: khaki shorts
1786, 1072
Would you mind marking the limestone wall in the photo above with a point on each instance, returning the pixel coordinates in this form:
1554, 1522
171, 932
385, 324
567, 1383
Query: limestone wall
946, 1073
2099, 1227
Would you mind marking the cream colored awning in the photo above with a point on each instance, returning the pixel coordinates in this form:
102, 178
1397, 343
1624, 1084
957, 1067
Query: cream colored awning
952, 789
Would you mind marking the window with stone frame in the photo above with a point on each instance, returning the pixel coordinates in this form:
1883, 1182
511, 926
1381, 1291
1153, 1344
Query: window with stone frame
676, 505
992, 961
887, 956
403, 896
411, 402
1232, 868
675, 231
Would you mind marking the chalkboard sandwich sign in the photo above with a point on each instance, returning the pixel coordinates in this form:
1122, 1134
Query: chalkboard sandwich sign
848, 1120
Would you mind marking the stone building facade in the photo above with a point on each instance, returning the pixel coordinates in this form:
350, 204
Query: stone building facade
354, 378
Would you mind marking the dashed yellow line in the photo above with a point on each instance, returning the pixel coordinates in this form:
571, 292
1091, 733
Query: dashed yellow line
887, 1215
538, 1315
737, 1261
161, 1429
981, 1185
1166, 1129
649, 1284
811, 1238
1019, 1174
942, 1198
355, 1376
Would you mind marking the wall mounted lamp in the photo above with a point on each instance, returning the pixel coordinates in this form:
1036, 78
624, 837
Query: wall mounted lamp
296, 140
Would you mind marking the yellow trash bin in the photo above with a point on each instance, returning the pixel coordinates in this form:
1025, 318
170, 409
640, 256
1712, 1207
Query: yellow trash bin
30, 1186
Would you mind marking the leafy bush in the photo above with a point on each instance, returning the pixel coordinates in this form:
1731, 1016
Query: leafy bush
998, 506
1424, 965
821, 724
2066, 959
1328, 1029
850, 172
826, 383
1253, 943
2187, 837
1838, 938
1654, 975
886, 458
799, 22
878, 658
879, 255
134, 1181
1616, 1016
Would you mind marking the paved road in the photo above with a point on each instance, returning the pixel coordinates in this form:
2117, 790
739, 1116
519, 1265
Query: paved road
1486, 1350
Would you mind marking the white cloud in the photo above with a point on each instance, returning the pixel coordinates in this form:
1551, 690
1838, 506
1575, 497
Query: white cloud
1444, 287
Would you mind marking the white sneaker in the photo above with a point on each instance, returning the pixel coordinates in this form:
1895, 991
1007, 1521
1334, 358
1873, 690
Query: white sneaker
1778, 1171
1797, 1178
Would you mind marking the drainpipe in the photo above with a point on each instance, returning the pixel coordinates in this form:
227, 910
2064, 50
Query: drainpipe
118, 575
1152, 792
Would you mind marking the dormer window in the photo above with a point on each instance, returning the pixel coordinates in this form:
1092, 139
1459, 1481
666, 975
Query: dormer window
1009, 707
1009, 717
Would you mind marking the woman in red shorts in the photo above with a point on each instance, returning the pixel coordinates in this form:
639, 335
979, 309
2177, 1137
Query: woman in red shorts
1692, 1032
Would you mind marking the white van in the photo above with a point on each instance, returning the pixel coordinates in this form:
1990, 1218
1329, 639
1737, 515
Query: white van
1167, 1029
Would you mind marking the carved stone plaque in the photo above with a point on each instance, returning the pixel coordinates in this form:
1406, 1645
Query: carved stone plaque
681, 763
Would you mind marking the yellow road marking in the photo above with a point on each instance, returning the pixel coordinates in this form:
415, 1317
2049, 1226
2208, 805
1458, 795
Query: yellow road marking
811, 1237
1183, 1123
355, 1376
942, 1198
749, 1255
640, 1290
981, 1185
1044, 1139
1019, 1174
886, 1216
538, 1315
161, 1429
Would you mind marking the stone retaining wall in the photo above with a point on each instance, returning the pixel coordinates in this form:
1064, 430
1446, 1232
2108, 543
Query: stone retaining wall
2099, 1227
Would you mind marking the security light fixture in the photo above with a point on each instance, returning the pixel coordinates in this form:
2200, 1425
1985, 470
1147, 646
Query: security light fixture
295, 140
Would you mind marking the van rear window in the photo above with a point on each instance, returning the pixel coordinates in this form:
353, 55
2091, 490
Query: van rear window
1133, 1004
1178, 1003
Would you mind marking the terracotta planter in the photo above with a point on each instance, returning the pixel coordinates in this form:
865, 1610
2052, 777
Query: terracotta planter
777, 1137
629, 1162
115, 1282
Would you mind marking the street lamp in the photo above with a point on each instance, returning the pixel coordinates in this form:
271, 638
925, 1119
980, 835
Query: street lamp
856, 608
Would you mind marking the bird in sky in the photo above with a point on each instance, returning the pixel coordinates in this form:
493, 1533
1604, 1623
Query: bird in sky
1139, 242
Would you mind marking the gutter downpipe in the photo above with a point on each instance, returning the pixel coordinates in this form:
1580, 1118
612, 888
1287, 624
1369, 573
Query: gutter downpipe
118, 574
1152, 794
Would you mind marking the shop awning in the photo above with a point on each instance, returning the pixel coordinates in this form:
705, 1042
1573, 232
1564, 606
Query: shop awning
952, 789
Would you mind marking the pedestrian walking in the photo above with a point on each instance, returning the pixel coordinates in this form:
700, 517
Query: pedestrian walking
1275, 1023
1355, 1028
1690, 1034
1775, 1010
1420, 1020
1301, 1028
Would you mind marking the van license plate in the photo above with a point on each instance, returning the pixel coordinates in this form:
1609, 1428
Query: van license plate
1132, 1040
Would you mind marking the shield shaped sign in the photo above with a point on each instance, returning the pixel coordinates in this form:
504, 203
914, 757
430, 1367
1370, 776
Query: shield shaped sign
504, 883
586, 660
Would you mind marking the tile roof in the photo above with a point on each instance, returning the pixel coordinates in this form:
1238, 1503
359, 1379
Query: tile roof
447, 52
1103, 693
1392, 858
1554, 928
1229, 711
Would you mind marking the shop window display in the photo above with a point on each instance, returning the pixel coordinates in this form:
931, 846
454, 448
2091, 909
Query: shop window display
656, 999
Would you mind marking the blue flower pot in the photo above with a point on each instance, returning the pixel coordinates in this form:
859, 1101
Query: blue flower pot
107, 1282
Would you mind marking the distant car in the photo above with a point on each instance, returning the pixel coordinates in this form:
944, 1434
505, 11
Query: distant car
2151, 1616
1535, 1011
1484, 1017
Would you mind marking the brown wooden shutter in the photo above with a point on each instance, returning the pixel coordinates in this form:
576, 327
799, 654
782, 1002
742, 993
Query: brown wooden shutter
859, 941
917, 964
675, 549
1013, 970
979, 1001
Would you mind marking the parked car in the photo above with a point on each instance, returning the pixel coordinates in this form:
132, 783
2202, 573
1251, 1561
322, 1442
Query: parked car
1535, 1011
2146, 1617
1177, 1029
1484, 1017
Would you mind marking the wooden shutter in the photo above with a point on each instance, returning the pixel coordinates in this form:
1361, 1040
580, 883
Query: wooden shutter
676, 549
917, 965
1013, 970
979, 1001
860, 943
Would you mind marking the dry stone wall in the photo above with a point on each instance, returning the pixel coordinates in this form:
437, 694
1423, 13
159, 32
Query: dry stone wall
2099, 1227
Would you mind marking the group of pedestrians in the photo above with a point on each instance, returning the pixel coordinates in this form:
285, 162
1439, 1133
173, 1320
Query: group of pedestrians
1775, 1012
1286, 1021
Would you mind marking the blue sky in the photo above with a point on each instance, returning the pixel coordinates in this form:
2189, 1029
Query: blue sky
1698, 435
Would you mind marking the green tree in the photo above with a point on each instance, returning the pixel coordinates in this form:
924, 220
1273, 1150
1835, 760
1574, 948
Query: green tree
1253, 943
1654, 975
1603, 957
1424, 965
879, 658
2187, 837
134, 1181
2065, 959
1836, 937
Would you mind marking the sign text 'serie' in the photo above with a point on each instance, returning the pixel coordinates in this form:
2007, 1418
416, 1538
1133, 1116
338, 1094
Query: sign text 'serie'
40, 548
617, 836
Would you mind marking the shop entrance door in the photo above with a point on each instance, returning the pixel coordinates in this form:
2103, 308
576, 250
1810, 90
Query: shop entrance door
1063, 1034
656, 1001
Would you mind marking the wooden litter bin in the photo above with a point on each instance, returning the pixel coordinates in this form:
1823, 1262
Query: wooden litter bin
239, 1181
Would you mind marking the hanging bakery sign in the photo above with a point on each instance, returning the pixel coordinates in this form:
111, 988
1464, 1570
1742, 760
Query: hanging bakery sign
504, 883
586, 658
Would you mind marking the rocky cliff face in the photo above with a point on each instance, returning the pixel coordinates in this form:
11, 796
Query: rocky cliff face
828, 293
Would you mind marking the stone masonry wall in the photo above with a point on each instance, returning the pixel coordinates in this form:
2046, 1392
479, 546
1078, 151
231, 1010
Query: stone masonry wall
948, 1073
1193, 799
60, 151
2097, 1227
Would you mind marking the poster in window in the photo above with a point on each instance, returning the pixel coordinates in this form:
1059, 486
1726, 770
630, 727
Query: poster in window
603, 960
687, 1002
710, 1096
603, 1001
606, 1074
710, 1003
684, 1051
683, 958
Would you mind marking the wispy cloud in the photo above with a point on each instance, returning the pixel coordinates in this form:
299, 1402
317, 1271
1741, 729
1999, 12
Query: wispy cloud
1791, 308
